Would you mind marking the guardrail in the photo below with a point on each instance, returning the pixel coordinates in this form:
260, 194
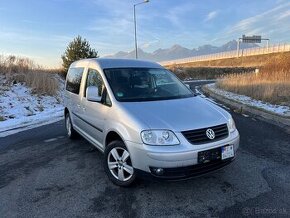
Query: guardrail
231, 54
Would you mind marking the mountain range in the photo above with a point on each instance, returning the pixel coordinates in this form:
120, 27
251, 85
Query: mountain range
177, 51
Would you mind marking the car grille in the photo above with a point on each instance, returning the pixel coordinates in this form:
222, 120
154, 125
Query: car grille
198, 136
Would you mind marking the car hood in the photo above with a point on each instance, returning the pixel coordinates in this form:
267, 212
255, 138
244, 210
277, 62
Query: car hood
178, 114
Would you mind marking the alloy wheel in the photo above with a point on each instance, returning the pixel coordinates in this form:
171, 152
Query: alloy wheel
119, 164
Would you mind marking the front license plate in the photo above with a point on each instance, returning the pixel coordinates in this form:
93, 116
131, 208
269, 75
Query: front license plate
227, 152
209, 155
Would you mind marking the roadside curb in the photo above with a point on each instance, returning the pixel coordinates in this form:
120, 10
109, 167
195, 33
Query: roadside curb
267, 116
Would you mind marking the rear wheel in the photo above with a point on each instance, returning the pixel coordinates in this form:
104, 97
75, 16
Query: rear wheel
118, 165
71, 133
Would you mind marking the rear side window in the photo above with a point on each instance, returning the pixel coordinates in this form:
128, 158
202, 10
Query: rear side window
73, 81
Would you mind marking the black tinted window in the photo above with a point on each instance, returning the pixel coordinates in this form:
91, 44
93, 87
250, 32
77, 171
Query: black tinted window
74, 77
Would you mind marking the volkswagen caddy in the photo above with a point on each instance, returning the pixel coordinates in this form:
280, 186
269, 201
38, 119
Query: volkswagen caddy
146, 121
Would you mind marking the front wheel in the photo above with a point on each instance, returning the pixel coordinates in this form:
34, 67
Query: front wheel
71, 133
118, 165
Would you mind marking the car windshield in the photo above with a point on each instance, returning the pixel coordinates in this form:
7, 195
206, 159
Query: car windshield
145, 84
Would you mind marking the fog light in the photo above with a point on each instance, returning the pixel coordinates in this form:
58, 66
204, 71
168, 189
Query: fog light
158, 171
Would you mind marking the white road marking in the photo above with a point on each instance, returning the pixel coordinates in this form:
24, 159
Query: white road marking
50, 140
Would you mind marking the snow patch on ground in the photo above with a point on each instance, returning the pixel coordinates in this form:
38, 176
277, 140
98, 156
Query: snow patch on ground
277, 109
20, 109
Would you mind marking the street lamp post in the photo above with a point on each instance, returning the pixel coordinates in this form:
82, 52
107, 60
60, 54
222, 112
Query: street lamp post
135, 27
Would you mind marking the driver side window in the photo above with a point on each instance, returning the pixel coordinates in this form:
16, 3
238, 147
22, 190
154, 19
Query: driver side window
95, 79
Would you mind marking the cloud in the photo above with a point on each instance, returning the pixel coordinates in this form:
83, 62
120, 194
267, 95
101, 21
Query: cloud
284, 15
150, 43
273, 24
117, 26
113, 7
17, 36
211, 15
264, 20
176, 13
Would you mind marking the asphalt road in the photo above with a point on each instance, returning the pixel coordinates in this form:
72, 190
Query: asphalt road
44, 174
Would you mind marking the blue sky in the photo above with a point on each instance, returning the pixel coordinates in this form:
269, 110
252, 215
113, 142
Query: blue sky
41, 29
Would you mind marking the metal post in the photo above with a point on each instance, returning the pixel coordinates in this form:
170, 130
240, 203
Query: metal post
135, 26
238, 47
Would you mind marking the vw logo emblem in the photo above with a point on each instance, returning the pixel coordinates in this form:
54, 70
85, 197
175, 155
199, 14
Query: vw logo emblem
210, 133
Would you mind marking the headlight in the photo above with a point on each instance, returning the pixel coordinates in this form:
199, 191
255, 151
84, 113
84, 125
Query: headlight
159, 137
232, 125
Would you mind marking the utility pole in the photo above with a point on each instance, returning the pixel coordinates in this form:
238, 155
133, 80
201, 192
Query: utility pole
238, 47
135, 27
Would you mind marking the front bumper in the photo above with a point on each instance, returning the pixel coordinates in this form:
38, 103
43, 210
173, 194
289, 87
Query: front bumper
179, 161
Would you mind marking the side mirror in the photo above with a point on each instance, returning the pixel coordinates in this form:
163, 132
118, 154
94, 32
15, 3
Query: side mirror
92, 94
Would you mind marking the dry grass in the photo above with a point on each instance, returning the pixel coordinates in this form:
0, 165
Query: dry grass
23, 70
271, 84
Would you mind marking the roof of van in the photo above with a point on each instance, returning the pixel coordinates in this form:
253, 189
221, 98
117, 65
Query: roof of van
104, 63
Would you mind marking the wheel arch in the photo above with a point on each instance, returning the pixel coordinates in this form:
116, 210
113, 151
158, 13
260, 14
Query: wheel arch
113, 136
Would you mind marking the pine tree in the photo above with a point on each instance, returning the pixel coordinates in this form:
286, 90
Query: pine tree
77, 49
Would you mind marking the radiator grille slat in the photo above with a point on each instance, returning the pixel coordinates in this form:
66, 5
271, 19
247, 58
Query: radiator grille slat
198, 136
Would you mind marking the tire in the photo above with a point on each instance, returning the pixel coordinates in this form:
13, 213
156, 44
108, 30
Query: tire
118, 165
71, 133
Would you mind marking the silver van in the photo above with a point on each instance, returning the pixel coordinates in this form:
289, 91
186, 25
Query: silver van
146, 121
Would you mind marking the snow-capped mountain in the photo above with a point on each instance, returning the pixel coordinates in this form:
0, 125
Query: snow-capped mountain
177, 51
